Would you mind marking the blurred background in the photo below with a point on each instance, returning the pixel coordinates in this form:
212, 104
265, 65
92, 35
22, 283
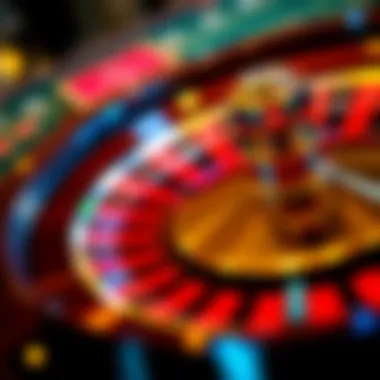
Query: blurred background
42, 27
39, 38
35, 34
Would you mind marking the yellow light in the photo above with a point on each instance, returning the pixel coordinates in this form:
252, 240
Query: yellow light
35, 356
188, 101
12, 63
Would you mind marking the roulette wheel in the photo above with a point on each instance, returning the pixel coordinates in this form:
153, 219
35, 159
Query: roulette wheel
189, 250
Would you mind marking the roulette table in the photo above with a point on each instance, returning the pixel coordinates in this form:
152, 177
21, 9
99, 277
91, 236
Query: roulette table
210, 210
